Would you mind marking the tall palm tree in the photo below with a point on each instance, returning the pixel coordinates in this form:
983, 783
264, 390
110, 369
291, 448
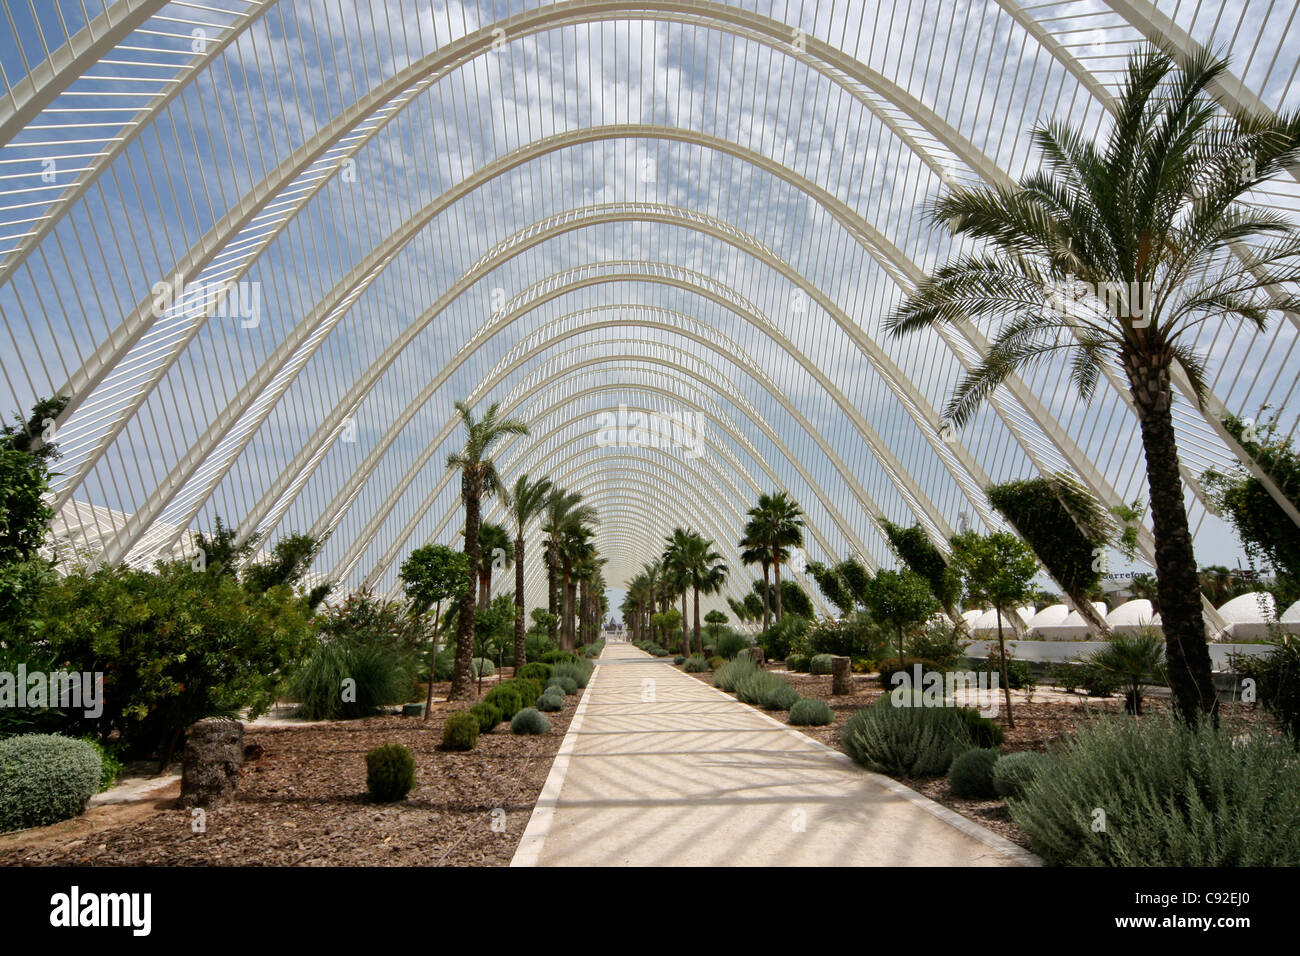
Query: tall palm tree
575, 548
527, 500
700, 567
1141, 232
478, 479
676, 560
639, 596
755, 552
493, 541
563, 510
777, 523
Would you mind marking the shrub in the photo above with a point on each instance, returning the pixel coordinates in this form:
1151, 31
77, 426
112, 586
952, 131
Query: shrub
1173, 795
756, 686
797, 663
854, 635
1134, 662
777, 639
45, 778
1097, 682
108, 757
487, 714
390, 773
1016, 771
460, 732
940, 642
580, 671
971, 774
679, 660
594, 649
658, 651
716, 662
1277, 680
863, 665
536, 670
567, 685
557, 657
905, 741
550, 701
378, 674
811, 712
695, 665
1019, 673
530, 721
820, 664
730, 643
505, 697
482, 667
781, 697
1064, 675
528, 687
890, 666
726, 674
984, 731
537, 646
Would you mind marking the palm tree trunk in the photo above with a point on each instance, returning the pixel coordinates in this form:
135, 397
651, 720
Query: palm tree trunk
584, 604
521, 655
686, 638
566, 609
1186, 651
552, 588
462, 678
767, 596
777, 573
484, 589
699, 641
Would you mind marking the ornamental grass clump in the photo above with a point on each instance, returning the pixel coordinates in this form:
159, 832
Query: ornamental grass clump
1157, 792
578, 671
912, 741
726, 674
780, 697
695, 665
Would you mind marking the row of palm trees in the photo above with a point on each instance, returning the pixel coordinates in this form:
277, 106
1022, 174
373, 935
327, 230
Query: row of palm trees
690, 565
575, 582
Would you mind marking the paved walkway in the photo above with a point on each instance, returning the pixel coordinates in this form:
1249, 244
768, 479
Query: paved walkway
659, 769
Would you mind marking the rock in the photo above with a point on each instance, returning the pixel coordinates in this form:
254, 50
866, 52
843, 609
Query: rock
214, 752
841, 675
756, 654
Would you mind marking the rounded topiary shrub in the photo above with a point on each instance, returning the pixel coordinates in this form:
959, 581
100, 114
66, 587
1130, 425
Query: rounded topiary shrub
567, 685
811, 712
529, 688
483, 667
797, 663
558, 657
45, 778
487, 714
390, 773
679, 660
915, 740
780, 698
505, 697
550, 701
530, 721
820, 664
971, 774
460, 732
1017, 771
536, 670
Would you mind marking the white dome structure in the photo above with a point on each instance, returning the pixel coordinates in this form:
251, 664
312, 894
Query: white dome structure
1250, 617
1132, 617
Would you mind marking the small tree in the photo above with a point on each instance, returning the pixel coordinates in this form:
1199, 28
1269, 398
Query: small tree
714, 622
430, 575
900, 600
918, 553
996, 569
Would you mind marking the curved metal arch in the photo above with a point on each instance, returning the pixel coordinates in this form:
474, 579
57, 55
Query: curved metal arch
431, 497
971, 483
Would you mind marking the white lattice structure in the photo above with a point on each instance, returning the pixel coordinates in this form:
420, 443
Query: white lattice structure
264, 245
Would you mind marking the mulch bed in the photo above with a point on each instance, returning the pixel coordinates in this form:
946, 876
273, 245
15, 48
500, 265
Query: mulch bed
302, 803
1038, 723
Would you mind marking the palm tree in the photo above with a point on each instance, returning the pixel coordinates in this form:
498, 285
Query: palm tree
701, 567
1145, 225
478, 479
677, 568
527, 499
493, 542
755, 552
777, 523
575, 548
563, 510
639, 597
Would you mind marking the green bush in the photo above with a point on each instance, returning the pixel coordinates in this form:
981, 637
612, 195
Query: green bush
593, 649
487, 714
730, 643
537, 646
890, 666
482, 667
726, 674
811, 712
530, 721
45, 778
460, 732
797, 663
984, 731
1097, 682
758, 685
716, 662
378, 675
557, 657
550, 701
390, 773
1171, 795
579, 671
781, 697
679, 660
1277, 682
971, 774
566, 684
777, 640
1016, 771
1064, 675
820, 664
528, 687
505, 697
536, 670
695, 665
1019, 673
108, 757
940, 642
905, 741
852, 636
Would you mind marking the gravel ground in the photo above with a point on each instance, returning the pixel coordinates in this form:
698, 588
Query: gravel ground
302, 803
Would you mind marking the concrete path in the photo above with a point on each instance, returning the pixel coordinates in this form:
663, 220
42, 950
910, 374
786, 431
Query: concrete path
660, 769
